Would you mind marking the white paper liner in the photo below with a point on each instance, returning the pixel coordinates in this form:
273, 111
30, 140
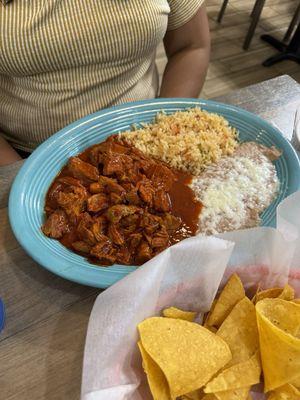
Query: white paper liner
187, 276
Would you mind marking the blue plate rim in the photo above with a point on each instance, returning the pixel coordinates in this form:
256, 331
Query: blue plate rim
101, 272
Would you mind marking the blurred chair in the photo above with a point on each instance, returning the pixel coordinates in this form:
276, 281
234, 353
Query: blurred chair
294, 22
289, 48
255, 15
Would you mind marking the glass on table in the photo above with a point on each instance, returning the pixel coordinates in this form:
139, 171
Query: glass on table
296, 131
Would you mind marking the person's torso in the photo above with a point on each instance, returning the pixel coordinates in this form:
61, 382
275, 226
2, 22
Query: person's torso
62, 59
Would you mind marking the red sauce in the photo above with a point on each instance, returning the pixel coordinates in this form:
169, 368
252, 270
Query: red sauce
185, 206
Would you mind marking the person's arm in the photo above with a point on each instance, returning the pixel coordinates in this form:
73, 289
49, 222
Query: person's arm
7, 154
188, 50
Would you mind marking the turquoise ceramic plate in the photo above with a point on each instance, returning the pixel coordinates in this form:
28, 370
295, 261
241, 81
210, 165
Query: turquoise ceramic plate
32, 182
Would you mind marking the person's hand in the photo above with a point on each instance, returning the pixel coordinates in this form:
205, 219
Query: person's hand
7, 154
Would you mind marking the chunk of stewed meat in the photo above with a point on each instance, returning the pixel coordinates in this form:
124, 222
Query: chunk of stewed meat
73, 201
97, 187
160, 239
56, 224
83, 170
133, 198
97, 202
81, 246
111, 185
52, 196
119, 211
130, 223
99, 152
115, 234
161, 176
171, 222
162, 201
146, 191
144, 252
84, 229
96, 153
151, 223
115, 163
134, 240
69, 181
123, 256
114, 147
104, 252
99, 228
112, 164
115, 198
132, 174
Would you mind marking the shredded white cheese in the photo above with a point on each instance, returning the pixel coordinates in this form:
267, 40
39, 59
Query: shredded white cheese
234, 192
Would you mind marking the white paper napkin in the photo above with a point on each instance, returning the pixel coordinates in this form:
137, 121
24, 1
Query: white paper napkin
188, 276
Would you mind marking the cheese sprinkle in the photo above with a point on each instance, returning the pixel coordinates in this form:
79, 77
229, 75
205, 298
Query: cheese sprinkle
235, 191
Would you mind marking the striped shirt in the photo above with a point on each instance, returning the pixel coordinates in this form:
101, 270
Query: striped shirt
63, 59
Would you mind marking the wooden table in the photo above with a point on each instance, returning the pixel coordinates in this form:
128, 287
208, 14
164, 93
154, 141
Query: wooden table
41, 347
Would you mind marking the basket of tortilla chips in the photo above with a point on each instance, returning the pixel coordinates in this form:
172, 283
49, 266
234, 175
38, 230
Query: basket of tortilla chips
212, 318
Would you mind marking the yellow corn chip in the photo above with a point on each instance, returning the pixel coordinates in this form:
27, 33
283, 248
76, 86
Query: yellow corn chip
174, 312
157, 381
237, 394
297, 301
196, 395
212, 329
286, 293
187, 353
239, 330
296, 382
279, 335
240, 375
267, 294
286, 392
207, 316
232, 293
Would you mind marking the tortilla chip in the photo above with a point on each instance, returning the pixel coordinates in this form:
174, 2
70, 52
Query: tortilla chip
187, 353
196, 395
285, 293
267, 294
288, 293
207, 315
296, 382
212, 329
209, 396
297, 301
237, 394
232, 293
241, 375
174, 312
279, 335
157, 381
286, 392
239, 330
